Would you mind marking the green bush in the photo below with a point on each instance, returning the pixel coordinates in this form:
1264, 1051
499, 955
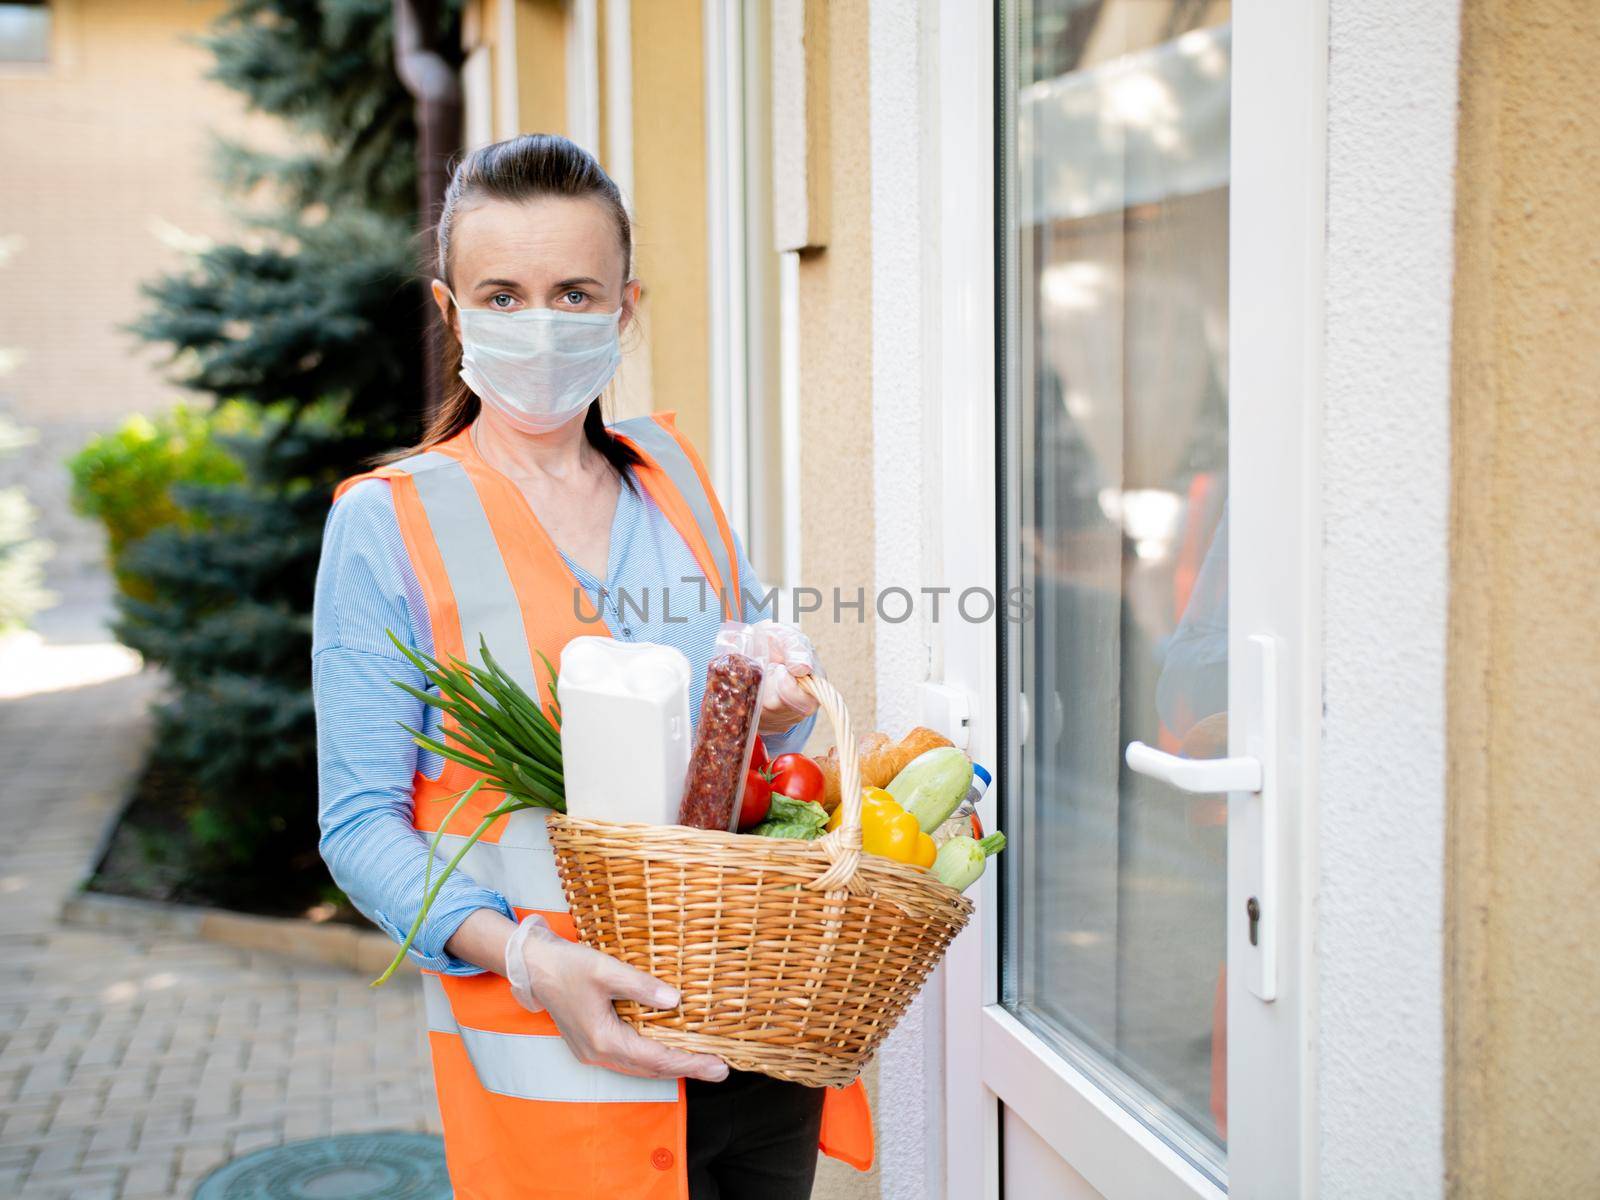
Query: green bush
22, 555
125, 478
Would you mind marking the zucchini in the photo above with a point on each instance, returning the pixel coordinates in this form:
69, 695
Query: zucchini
961, 859
932, 784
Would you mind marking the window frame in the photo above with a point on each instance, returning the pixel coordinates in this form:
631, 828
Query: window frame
752, 296
61, 55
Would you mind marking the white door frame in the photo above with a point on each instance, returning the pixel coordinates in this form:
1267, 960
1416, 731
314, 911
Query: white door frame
1275, 381
963, 355
1276, 329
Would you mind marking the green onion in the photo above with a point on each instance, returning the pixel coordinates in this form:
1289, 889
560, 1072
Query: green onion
497, 730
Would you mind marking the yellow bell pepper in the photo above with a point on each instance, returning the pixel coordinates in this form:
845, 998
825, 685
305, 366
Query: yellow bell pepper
871, 798
889, 830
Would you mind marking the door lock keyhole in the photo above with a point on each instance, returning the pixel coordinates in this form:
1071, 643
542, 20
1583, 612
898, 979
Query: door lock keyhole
1252, 910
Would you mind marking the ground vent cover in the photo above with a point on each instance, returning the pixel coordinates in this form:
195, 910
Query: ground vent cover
352, 1166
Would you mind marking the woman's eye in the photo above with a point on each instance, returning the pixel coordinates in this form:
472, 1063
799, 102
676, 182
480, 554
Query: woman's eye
494, 301
575, 297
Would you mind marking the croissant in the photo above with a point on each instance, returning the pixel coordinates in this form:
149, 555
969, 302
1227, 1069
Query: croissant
881, 759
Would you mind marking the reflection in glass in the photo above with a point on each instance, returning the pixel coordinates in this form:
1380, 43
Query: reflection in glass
1116, 369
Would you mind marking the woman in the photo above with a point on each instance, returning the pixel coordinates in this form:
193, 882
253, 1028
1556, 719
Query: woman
524, 519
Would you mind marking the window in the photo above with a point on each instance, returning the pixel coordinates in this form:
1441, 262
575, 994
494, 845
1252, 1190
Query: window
1115, 169
25, 32
747, 287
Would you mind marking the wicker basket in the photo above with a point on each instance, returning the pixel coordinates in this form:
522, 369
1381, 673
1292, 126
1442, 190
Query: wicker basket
794, 959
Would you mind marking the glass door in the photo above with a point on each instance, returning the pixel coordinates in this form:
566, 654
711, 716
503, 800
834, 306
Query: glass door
1152, 507
1116, 387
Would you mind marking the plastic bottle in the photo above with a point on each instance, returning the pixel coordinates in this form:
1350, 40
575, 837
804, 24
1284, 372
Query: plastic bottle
960, 822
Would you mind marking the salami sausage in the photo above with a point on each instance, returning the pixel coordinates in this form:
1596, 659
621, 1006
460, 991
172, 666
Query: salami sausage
722, 743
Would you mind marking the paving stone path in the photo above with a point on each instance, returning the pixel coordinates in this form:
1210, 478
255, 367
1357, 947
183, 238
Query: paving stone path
130, 1067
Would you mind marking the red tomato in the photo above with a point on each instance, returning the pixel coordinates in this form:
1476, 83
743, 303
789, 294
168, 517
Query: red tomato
757, 798
797, 777
758, 755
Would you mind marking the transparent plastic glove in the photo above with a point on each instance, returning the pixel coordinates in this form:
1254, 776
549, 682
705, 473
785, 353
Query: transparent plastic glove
787, 646
576, 986
789, 653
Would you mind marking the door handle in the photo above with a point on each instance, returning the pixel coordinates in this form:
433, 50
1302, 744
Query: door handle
1254, 829
1195, 774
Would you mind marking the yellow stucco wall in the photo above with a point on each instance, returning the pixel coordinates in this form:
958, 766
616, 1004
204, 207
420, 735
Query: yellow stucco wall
540, 35
1524, 674
835, 353
835, 357
669, 172
105, 184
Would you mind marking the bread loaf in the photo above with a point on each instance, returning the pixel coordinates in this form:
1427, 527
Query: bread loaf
881, 759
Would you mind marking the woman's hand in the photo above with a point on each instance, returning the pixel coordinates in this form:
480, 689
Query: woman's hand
784, 703
576, 985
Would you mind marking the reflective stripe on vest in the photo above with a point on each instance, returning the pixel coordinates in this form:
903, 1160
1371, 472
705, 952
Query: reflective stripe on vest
484, 596
520, 866
537, 1068
656, 441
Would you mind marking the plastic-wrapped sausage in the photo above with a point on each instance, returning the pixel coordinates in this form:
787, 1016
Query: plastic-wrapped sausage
714, 784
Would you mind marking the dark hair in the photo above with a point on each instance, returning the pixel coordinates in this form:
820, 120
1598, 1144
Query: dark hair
521, 168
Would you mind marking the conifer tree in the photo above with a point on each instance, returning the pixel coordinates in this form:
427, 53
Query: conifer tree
316, 317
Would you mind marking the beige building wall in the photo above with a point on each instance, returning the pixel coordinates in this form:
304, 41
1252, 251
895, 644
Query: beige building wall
1524, 673
835, 354
669, 208
539, 40
835, 397
105, 185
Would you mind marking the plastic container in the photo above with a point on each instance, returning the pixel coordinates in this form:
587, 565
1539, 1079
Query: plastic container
959, 823
624, 729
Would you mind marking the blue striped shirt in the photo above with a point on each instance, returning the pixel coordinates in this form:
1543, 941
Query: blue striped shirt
366, 762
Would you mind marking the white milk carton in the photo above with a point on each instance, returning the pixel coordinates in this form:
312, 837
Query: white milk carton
624, 729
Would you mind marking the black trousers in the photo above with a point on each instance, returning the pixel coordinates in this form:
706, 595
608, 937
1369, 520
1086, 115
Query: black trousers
752, 1137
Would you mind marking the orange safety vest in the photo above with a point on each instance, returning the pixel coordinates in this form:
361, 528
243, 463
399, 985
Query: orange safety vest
522, 1117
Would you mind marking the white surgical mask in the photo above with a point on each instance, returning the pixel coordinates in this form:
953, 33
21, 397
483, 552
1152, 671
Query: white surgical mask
538, 366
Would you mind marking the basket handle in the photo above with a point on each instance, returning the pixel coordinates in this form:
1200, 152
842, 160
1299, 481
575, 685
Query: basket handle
843, 845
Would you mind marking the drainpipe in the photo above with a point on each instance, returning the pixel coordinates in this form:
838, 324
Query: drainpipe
432, 79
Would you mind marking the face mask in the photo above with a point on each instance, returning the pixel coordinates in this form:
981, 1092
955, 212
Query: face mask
537, 366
